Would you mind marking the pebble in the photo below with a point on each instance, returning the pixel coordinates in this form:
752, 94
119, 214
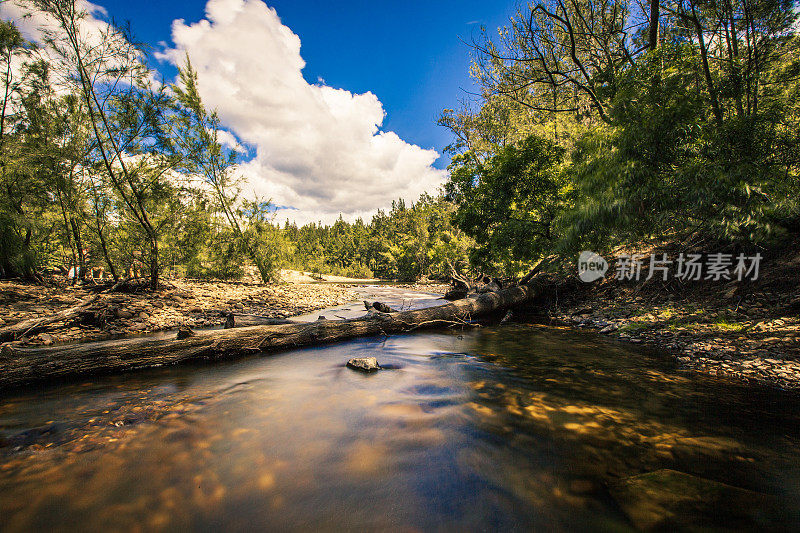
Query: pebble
764, 349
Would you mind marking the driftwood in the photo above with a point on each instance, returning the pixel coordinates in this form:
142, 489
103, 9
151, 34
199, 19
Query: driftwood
31, 325
462, 287
25, 365
378, 306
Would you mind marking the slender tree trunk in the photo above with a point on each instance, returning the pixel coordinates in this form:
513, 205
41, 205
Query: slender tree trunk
68, 232
733, 53
712, 91
654, 16
67, 17
106, 256
153, 263
81, 267
252, 251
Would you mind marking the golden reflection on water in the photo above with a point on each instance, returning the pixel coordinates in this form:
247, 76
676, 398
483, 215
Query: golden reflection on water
514, 427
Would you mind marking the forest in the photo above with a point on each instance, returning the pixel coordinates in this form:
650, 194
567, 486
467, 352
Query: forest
597, 124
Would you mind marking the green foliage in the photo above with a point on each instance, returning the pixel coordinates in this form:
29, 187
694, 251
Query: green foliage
196, 145
509, 202
101, 167
694, 135
589, 132
670, 167
407, 243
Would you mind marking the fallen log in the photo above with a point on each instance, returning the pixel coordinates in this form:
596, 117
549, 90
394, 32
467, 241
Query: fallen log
25, 365
462, 287
24, 327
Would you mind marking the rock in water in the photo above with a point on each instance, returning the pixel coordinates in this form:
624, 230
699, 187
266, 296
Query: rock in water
364, 364
667, 500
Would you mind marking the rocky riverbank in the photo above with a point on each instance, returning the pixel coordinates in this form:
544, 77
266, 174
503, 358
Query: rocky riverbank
747, 330
180, 303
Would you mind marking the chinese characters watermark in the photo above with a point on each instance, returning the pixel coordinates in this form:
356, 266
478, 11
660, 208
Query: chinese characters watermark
685, 267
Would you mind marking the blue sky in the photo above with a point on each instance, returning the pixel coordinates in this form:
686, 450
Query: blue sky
409, 54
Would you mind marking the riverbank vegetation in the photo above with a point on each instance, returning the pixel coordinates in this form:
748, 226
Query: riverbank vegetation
602, 124
408, 242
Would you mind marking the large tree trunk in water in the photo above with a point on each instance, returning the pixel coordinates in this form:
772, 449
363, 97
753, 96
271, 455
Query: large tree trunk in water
25, 365
244, 320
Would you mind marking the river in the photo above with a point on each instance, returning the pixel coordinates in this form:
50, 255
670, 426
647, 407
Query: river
504, 427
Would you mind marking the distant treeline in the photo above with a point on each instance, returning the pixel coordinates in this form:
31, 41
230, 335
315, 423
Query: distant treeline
405, 243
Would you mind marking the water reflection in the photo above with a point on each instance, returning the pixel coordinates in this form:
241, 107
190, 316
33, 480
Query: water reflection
512, 427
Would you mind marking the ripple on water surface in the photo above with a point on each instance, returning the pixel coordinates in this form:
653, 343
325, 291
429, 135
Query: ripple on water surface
513, 427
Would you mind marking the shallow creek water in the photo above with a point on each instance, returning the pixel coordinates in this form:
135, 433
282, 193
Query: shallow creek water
506, 427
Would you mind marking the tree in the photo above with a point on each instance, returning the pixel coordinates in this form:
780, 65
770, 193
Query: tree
17, 256
125, 112
562, 56
653, 33
679, 120
508, 204
196, 139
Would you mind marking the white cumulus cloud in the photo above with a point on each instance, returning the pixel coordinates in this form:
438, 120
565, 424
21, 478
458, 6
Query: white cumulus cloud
318, 149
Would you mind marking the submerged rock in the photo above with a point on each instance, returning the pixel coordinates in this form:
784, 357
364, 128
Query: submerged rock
667, 499
364, 364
